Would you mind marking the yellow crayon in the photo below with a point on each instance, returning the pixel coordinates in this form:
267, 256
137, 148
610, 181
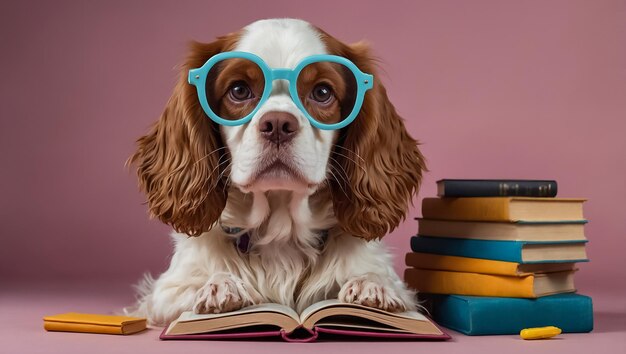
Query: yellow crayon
540, 332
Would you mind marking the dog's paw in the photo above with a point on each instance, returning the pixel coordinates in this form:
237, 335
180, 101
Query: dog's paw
224, 292
370, 290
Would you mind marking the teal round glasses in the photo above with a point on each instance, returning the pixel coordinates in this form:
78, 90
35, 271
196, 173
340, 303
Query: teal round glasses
328, 89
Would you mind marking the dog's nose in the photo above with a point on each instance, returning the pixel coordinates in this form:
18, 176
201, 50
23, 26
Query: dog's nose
278, 127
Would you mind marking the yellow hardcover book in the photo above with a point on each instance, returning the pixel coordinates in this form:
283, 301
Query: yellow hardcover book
512, 209
475, 284
93, 323
483, 266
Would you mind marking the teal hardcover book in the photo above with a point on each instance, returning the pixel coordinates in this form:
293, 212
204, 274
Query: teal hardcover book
477, 315
508, 251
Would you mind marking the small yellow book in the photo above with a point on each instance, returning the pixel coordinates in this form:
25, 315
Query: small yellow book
92, 323
483, 266
475, 284
511, 209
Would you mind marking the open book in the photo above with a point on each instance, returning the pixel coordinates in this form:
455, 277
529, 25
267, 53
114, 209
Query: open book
326, 318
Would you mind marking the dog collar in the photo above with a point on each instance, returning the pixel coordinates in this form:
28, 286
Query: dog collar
242, 237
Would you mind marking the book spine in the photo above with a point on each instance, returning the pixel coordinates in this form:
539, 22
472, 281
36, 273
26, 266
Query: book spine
311, 336
81, 327
573, 313
498, 188
508, 251
461, 283
460, 264
467, 209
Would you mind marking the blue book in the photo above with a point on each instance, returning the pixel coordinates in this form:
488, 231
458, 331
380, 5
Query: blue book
509, 251
476, 315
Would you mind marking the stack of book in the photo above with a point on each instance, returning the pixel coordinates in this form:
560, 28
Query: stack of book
495, 257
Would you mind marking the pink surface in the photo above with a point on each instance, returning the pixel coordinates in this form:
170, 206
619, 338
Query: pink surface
493, 89
23, 305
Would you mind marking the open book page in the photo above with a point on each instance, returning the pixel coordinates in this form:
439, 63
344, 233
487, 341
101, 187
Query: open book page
336, 303
258, 315
337, 314
357, 325
268, 307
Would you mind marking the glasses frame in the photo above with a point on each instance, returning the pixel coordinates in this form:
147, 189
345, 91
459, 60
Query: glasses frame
198, 77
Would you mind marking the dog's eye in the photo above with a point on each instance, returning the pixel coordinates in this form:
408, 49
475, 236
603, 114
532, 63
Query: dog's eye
322, 93
239, 91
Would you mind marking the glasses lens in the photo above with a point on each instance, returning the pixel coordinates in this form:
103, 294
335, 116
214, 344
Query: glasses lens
327, 91
234, 88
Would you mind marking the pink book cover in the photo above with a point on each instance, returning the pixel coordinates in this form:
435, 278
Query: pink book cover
307, 335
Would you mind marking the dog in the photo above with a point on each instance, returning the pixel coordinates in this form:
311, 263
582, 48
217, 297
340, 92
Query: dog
276, 209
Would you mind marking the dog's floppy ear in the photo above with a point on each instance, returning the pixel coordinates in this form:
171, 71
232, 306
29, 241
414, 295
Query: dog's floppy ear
382, 162
178, 161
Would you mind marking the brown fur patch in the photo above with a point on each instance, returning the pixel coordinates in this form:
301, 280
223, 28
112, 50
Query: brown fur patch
382, 161
178, 161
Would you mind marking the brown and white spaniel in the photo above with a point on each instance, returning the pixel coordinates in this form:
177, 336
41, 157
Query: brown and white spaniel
276, 210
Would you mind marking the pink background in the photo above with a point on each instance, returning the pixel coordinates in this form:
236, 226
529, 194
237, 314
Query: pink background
493, 89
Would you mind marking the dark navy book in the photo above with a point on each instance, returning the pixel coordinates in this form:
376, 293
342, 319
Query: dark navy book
456, 188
